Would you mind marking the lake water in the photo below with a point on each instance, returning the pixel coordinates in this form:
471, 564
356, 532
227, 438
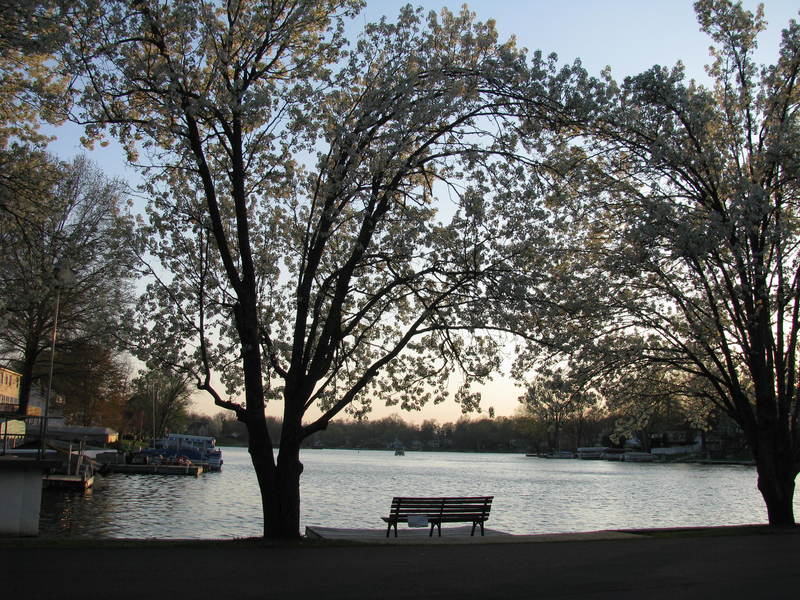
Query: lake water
346, 488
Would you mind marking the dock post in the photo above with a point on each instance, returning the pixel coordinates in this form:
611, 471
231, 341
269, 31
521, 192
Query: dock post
21, 494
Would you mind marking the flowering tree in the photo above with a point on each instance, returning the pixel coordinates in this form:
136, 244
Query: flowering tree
685, 199
31, 90
293, 236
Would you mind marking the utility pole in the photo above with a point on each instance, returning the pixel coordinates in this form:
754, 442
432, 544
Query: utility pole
154, 397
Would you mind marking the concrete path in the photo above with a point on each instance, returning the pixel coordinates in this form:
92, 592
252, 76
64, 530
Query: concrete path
730, 566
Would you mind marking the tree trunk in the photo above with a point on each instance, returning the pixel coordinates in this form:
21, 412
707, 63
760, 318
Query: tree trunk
644, 440
278, 480
286, 525
776, 477
579, 432
26, 380
280, 494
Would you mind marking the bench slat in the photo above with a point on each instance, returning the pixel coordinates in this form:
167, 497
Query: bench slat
438, 508
446, 510
450, 500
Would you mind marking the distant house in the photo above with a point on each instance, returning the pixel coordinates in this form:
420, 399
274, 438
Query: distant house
57, 428
9, 390
726, 439
36, 409
76, 433
15, 428
12, 430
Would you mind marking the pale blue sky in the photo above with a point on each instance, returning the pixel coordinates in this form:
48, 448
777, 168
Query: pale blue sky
628, 35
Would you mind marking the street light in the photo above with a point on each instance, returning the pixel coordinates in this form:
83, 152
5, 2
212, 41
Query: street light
63, 277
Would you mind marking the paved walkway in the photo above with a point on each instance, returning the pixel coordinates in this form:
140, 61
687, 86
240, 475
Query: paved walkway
453, 535
729, 566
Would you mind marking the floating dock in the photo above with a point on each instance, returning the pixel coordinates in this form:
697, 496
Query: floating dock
156, 469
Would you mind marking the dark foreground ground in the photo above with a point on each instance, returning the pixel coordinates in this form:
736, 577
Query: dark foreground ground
746, 563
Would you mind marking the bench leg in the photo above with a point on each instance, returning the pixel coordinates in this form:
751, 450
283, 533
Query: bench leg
475, 524
389, 528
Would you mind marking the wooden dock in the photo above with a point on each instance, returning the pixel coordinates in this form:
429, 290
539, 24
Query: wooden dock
156, 469
67, 482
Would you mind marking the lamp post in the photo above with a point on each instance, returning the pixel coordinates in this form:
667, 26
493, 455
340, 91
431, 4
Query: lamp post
154, 398
63, 277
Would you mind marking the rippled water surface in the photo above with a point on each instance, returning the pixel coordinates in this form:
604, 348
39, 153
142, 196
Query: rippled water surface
346, 488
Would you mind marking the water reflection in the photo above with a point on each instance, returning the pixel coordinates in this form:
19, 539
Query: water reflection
159, 506
342, 488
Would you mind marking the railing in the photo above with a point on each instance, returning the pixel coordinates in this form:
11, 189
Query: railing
9, 441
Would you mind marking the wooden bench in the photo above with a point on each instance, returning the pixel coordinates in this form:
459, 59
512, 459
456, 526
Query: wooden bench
467, 509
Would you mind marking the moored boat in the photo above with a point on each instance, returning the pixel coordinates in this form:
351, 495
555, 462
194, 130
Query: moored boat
638, 457
559, 454
199, 449
616, 454
591, 453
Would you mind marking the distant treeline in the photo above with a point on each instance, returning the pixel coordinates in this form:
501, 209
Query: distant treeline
519, 433
483, 435
499, 434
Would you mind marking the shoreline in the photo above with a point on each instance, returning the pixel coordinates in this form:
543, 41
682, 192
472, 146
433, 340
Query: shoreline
667, 459
753, 529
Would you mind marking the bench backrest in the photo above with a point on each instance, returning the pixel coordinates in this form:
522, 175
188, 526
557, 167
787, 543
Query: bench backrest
476, 507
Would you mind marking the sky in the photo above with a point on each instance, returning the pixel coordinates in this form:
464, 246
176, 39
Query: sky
629, 36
